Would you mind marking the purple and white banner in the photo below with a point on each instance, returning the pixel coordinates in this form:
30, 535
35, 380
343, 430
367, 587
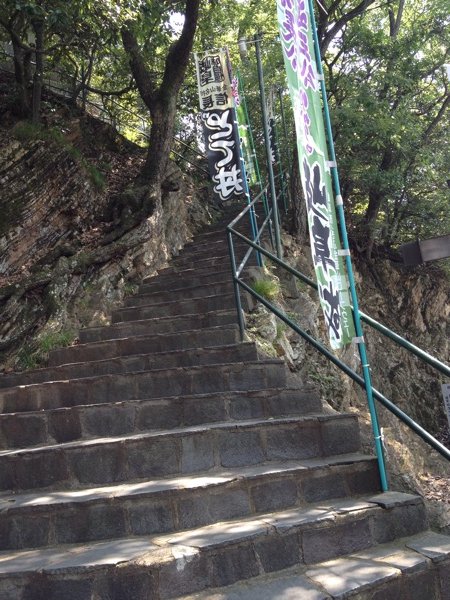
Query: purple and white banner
219, 124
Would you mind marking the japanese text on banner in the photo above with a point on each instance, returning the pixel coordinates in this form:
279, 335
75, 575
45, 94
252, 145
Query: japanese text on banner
298, 51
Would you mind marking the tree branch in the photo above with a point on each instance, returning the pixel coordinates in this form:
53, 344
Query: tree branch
141, 74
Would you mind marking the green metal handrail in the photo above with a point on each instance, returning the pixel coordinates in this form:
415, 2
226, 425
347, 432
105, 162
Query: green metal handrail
238, 283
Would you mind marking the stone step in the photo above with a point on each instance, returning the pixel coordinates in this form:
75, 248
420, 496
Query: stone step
219, 255
416, 567
184, 340
191, 306
145, 384
212, 262
173, 565
53, 426
182, 293
165, 325
218, 248
177, 452
181, 503
134, 363
183, 280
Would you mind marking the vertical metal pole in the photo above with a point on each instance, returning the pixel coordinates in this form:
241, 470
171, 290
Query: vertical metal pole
237, 296
283, 120
255, 158
262, 93
253, 223
343, 229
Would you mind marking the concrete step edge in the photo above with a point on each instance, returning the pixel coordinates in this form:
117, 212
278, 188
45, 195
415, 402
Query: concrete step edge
241, 365
247, 540
183, 431
389, 571
181, 351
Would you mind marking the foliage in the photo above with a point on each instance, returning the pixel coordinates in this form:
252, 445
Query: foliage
267, 288
32, 355
387, 87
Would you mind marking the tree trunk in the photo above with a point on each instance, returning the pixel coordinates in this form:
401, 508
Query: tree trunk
22, 61
38, 28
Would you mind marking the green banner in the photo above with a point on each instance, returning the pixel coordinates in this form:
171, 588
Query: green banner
298, 51
244, 134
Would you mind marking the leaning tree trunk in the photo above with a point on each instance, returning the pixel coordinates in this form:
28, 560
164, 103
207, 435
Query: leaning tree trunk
22, 64
38, 28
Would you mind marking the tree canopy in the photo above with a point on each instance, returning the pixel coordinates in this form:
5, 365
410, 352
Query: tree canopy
384, 63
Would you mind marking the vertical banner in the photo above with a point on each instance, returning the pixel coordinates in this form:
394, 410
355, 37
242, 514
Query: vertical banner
221, 135
298, 50
244, 135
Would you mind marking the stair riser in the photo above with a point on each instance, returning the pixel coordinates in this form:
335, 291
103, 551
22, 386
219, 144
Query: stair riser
278, 549
157, 326
175, 282
188, 307
213, 262
144, 345
209, 249
182, 294
176, 453
272, 549
150, 384
103, 420
205, 256
142, 362
177, 509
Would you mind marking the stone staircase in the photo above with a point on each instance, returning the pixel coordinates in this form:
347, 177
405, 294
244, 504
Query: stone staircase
161, 458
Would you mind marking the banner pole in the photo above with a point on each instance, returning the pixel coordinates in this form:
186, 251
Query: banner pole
283, 121
345, 245
253, 222
262, 95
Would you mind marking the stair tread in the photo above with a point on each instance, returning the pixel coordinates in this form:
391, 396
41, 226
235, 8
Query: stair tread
174, 431
226, 311
161, 548
179, 303
198, 480
181, 351
227, 394
338, 578
238, 364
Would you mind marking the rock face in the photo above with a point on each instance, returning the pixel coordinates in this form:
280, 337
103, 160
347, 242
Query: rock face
413, 303
56, 271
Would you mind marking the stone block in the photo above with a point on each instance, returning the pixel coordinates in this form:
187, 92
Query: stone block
44, 587
64, 425
232, 564
96, 463
324, 543
40, 469
188, 573
274, 494
319, 486
25, 531
197, 452
340, 436
277, 552
149, 517
293, 441
108, 420
159, 414
240, 448
19, 431
153, 457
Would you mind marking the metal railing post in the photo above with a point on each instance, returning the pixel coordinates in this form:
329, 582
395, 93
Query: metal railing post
345, 245
237, 294
262, 93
